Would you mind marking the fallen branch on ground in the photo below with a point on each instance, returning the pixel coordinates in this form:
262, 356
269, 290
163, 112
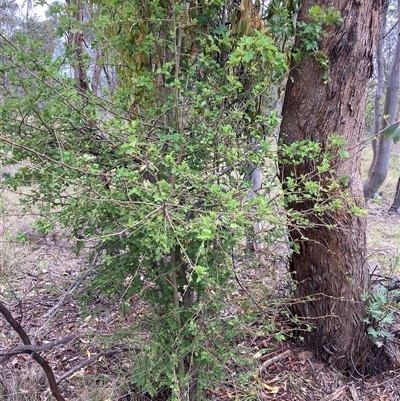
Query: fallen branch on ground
271, 361
86, 362
28, 349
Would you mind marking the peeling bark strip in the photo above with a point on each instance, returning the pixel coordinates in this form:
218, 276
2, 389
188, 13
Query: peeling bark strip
331, 261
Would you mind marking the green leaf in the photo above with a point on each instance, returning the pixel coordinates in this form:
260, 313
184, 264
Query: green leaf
201, 272
396, 135
389, 131
205, 235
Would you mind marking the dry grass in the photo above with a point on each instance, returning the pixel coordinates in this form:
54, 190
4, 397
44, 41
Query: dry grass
383, 233
35, 274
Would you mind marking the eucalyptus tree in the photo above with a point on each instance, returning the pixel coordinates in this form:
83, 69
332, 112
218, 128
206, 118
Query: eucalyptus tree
395, 207
381, 143
8, 16
321, 132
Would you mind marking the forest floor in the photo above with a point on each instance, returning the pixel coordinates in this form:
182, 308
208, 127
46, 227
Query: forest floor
40, 281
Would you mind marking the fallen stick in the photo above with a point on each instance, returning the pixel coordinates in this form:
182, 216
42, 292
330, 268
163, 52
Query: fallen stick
276, 358
28, 348
86, 362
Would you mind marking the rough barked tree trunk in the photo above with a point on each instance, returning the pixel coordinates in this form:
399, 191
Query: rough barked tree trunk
380, 164
395, 208
76, 41
330, 264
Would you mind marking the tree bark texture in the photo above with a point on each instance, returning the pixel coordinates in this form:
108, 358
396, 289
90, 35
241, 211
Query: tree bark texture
395, 208
380, 83
330, 263
76, 41
380, 164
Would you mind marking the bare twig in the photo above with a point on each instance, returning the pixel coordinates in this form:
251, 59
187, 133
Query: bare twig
353, 392
86, 362
271, 361
28, 348
224, 171
50, 314
338, 393
257, 304
38, 358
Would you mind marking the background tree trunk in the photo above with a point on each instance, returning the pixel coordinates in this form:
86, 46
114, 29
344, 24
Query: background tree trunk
330, 264
76, 41
380, 163
380, 83
395, 208
255, 176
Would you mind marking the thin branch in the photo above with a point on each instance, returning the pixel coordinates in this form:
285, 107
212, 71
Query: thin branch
257, 304
271, 361
29, 349
38, 358
86, 362
390, 30
224, 171
50, 314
